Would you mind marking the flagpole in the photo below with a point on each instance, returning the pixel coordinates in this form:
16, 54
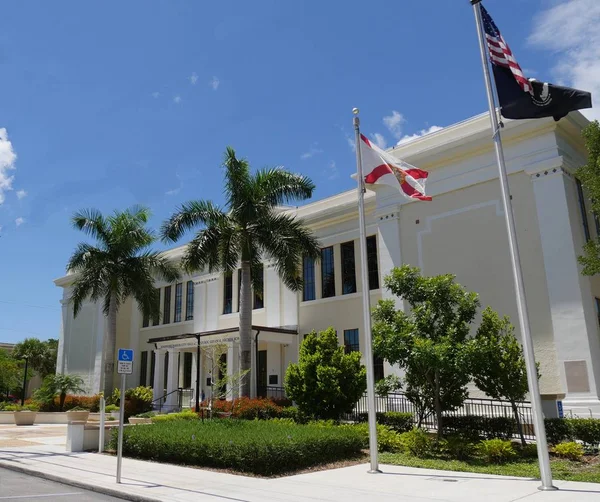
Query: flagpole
366, 298
532, 378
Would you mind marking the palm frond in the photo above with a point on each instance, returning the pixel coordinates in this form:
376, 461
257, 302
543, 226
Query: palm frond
203, 251
93, 224
277, 186
189, 216
237, 179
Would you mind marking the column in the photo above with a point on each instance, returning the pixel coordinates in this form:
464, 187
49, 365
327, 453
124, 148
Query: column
388, 244
574, 320
159, 374
193, 379
272, 291
172, 375
199, 306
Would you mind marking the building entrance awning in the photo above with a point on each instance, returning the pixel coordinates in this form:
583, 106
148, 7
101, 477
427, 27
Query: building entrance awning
220, 336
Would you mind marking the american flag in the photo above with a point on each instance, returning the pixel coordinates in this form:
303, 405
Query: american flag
500, 53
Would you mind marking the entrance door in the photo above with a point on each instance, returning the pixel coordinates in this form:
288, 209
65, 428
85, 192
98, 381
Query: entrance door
261, 381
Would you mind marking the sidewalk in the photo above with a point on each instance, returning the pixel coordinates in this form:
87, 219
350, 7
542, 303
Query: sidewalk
148, 481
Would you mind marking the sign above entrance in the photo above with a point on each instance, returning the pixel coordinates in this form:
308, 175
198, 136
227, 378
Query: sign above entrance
125, 362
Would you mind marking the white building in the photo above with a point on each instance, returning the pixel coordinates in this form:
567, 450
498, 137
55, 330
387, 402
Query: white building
462, 231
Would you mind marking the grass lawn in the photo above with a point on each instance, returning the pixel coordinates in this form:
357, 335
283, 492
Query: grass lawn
586, 470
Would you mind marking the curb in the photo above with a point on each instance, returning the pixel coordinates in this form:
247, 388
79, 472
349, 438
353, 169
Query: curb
78, 484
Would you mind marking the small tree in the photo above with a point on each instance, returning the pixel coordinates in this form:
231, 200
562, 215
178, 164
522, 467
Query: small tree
589, 175
41, 355
60, 385
326, 382
430, 341
10, 373
497, 362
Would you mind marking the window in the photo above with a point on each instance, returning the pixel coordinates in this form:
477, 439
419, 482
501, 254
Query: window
144, 368
152, 366
583, 211
228, 293
348, 269
308, 278
178, 301
146, 322
327, 273
155, 322
378, 368
598, 308
167, 306
239, 287
187, 370
189, 301
258, 292
351, 340
372, 262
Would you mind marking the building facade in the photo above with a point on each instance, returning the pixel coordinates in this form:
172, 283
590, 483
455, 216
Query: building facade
462, 232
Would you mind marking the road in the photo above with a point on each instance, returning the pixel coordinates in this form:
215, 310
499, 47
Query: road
15, 486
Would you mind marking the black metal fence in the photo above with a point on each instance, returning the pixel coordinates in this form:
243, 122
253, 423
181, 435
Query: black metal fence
272, 392
490, 408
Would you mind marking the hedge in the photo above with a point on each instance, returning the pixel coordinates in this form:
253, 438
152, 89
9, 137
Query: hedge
586, 430
476, 427
397, 421
91, 403
257, 446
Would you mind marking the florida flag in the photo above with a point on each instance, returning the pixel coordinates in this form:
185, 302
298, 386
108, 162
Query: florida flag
383, 169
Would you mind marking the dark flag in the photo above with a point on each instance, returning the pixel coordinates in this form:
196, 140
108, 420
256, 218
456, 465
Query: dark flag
521, 98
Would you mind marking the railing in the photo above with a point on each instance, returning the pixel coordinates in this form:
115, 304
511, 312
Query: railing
471, 407
272, 392
160, 405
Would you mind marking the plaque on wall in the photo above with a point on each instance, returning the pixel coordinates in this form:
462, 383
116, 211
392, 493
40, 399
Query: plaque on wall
273, 379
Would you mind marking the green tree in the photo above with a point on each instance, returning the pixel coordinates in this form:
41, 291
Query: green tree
119, 266
251, 229
430, 342
41, 355
497, 362
59, 385
11, 373
326, 382
589, 175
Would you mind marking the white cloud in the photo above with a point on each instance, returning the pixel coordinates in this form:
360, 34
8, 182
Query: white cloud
332, 171
570, 30
174, 191
312, 151
19, 221
177, 100
21, 194
7, 164
193, 78
422, 132
155, 94
379, 140
214, 83
394, 123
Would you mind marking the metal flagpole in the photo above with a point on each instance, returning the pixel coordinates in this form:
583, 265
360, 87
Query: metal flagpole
534, 390
366, 303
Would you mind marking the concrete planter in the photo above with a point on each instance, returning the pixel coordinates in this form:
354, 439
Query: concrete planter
77, 416
139, 420
24, 417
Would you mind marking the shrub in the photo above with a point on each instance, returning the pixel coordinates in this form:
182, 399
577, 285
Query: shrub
387, 439
250, 409
417, 442
326, 382
91, 403
175, 417
400, 422
138, 400
474, 427
293, 413
528, 451
110, 408
258, 446
558, 430
586, 430
457, 447
571, 451
496, 450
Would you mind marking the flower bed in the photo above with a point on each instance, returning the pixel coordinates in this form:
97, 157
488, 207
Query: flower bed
258, 447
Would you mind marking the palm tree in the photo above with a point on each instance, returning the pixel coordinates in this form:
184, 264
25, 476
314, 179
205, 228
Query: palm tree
249, 230
120, 266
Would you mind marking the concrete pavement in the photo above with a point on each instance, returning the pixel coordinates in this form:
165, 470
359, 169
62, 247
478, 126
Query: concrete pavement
149, 481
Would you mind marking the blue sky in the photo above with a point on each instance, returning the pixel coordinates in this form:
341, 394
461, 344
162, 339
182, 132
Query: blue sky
108, 104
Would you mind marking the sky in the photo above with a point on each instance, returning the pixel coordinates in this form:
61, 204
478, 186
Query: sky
109, 104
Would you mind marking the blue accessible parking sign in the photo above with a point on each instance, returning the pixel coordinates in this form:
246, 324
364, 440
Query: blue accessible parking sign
125, 361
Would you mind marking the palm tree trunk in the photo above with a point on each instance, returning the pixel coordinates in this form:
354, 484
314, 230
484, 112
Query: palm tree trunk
111, 342
245, 328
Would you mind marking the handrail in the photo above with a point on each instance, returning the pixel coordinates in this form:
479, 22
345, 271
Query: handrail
162, 398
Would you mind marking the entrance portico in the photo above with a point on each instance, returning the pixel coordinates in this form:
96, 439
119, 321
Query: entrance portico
213, 367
